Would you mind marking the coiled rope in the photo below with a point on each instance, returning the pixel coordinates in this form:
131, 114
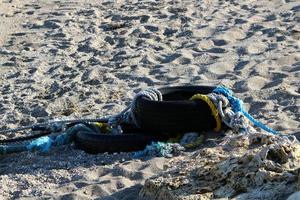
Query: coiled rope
226, 105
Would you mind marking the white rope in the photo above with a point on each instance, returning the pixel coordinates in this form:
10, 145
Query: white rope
128, 114
236, 121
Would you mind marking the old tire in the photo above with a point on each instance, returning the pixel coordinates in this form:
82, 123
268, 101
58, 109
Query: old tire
99, 143
176, 113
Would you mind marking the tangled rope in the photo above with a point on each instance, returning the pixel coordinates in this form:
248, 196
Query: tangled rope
228, 107
45, 143
233, 113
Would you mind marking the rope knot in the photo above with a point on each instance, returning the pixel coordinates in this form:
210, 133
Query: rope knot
237, 116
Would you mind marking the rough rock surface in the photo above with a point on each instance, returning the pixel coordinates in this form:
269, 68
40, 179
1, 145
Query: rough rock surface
256, 166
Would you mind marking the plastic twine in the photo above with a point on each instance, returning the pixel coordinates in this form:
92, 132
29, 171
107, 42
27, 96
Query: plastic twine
237, 106
42, 144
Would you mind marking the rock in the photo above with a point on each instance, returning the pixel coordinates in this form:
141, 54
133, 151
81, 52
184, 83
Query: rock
169, 32
255, 166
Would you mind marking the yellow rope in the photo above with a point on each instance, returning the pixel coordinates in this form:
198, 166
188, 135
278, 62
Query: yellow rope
213, 109
103, 127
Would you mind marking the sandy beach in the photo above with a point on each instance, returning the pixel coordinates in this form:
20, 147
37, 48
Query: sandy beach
70, 59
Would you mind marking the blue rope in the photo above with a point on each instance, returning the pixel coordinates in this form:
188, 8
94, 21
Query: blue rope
42, 144
45, 143
155, 149
237, 106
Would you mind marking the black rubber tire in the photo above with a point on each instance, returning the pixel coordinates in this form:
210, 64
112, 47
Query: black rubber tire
99, 143
176, 113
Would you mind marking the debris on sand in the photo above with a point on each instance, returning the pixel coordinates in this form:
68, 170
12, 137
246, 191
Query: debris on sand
255, 166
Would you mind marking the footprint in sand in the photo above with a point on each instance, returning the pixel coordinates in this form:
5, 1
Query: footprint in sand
240, 21
169, 58
169, 32
219, 42
18, 34
151, 28
30, 12
90, 45
8, 64
270, 17
49, 24
34, 6
240, 65
216, 50
184, 61
144, 19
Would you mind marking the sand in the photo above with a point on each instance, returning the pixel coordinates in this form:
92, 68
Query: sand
68, 59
